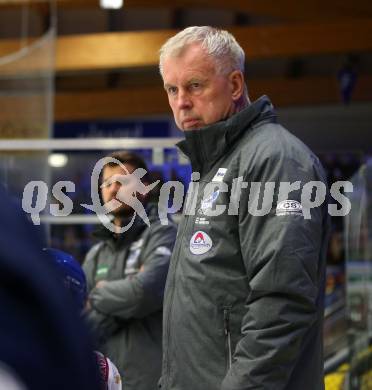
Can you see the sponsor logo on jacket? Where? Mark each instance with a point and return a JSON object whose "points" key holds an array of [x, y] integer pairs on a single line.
{"points": [[288, 207], [200, 243], [133, 264], [208, 202]]}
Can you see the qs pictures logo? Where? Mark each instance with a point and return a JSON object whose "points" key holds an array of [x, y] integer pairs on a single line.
{"points": [[130, 185]]}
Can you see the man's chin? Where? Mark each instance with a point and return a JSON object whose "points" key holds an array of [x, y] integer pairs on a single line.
{"points": [[122, 212], [190, 128], [195, 124]]}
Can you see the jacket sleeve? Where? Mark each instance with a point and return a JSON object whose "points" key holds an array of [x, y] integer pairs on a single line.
{"points": [[89, 266], [142, 294], [100, 324], [283, 262]]}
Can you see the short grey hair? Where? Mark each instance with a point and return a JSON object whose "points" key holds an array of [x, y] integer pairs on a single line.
{"points": [[219, 44]]}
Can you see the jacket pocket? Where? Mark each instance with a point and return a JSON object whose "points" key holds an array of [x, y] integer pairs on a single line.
{"points": [[227, 333]]}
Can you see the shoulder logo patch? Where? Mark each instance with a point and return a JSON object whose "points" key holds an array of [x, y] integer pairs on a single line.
{"points": [[218, 177], [288, 207], [200, 243], [163, 250]]}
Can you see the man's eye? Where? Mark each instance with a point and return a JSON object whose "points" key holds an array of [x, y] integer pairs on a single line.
{"points": [[108, 183], [195, 85], [116, 180], [171, 90]]}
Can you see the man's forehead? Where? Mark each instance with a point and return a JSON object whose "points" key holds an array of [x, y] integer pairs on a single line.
{"points": [[110, 170], [195, 61]]}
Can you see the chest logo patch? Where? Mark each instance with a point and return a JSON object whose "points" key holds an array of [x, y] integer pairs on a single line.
{"points": [[200, 243], [208, 202], [102, 271]]}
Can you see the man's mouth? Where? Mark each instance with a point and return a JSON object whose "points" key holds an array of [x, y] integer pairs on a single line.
{"points": [[189, 123]]}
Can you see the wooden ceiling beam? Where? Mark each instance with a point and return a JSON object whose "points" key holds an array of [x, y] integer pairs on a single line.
{"points": [[145, 101], [125, 50], [285, 9]]}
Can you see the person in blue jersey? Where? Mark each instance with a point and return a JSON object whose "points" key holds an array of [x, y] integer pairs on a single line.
{"points": [[74, 280], [44, 343]]}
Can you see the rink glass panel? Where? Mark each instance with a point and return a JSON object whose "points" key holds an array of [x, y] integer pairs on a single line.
{"points": [[358, 238], [73, 233]]}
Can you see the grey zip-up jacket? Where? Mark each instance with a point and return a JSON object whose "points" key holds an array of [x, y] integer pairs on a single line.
{"points": [[243, 307], [127, 310]]}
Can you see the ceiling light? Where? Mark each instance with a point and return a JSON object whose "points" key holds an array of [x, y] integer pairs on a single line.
{"points": [[57, 160], [111, 4]]}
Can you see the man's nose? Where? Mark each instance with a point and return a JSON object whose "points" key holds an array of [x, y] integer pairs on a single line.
{"points": [[184, 100], [114, 187]]}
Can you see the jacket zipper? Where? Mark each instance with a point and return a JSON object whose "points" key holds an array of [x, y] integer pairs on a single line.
{"points": [[226, 325], [166, 352]]}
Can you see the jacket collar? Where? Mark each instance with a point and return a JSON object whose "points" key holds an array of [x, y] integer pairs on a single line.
{"points": [[206, 145]]}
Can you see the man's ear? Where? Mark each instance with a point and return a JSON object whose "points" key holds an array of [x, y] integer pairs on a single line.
{"points": [[237, 83]]}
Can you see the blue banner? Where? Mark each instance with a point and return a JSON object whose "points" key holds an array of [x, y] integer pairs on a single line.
{"points": [[97, 129]]}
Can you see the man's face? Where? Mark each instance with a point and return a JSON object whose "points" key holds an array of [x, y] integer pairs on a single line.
{"points": [[197, 95], [114, 179]]}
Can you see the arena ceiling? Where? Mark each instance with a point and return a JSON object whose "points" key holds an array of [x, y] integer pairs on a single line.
{"points": [[106, 61]]}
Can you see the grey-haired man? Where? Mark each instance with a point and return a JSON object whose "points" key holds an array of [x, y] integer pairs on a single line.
{"points": [[243, 305]]}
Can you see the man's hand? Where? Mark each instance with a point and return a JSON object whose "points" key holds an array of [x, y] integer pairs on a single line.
{"points": [[101, 283], [87, 307]]}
